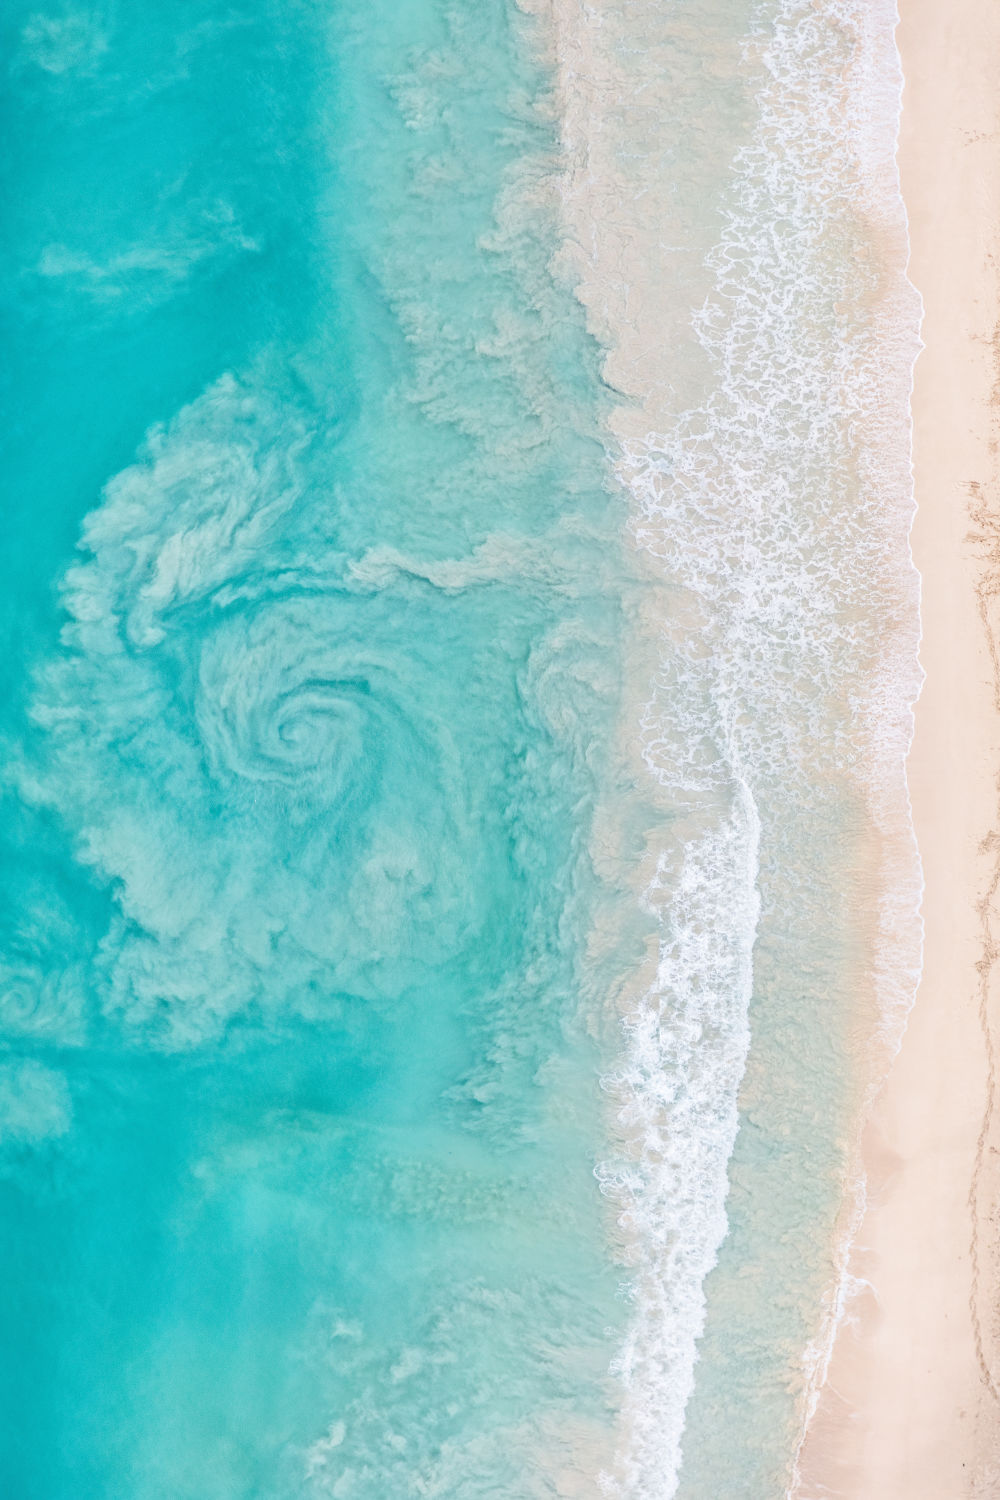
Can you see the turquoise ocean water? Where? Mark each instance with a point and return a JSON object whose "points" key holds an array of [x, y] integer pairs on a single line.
{"points": [[327, 1164]]}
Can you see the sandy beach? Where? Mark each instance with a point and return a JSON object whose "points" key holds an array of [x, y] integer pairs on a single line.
{"points": [[638, 253], [911, 1405]]}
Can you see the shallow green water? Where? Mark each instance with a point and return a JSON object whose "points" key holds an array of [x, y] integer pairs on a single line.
{"points": [[332, 752], [301, 1108]]}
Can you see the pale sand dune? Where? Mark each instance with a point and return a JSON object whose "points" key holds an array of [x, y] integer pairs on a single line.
{"points": [[911, 1409]]}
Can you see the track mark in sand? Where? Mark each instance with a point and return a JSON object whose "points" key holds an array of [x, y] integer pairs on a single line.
{"points": [[984, 512]]}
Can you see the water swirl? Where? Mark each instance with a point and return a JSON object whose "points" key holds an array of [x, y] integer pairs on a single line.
{"points": [[300, 708], [279, 705]]}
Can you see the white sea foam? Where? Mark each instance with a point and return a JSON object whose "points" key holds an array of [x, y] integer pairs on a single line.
{"points": [[686, 1045], [778, 512]]}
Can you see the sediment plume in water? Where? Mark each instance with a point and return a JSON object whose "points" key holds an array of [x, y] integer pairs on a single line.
{"points": [[458, 882]]}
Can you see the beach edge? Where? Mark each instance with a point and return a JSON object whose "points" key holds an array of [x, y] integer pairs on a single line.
{"points": [[910, 1405]]}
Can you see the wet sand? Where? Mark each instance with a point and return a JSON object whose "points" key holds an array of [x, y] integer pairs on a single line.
{"points": [[911, 1405]]}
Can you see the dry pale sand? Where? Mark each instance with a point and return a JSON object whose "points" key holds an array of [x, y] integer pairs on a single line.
{"points": [[911, 1408]]}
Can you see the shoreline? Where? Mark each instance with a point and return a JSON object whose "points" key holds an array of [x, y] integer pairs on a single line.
{"points": [[612, 268], [907, 1409]]}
